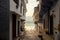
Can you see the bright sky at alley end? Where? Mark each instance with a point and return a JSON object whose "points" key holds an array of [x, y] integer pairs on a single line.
{"points": [[30, 7], [30, 10]]}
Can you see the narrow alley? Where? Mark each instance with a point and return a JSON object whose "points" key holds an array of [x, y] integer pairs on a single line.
{"points": [[29, 19], [31, 35]]}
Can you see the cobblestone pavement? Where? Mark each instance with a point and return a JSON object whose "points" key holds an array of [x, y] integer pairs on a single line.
{"points": [[31, 38], [47, 37], [31, 35]]}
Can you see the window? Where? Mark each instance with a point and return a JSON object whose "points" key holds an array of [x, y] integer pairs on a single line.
{"points": [[17, 2]]}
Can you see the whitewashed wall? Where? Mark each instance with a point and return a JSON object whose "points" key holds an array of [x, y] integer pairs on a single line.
{"points": [[55, 18]]}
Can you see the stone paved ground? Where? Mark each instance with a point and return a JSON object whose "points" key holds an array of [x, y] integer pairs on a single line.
{"points": [[47, 37], [31, 38], [31, 35]]}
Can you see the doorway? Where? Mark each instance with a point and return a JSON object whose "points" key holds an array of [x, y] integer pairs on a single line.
{"points": [[18, 27], [13, 26], [51, 24]]}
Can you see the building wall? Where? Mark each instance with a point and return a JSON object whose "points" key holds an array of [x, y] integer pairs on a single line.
{"points": [[41, 28], [36, 14], [56, 18], [22, 18], [16, 11], [36, 17], [17, 26], [40, 2], [10, 35], [45, 22], [24, 10], [4, 19], [7, 8], [38, 25], [14, 8]]}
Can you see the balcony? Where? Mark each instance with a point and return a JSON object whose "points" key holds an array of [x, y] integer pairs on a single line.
{"points": [[22, 17], [14, 8]]}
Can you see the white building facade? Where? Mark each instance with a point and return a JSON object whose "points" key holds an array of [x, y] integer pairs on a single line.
{"points": [[17, 16]]}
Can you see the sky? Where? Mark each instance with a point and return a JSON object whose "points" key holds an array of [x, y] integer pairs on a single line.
{"points": [[30, 7], [30, 10]]}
